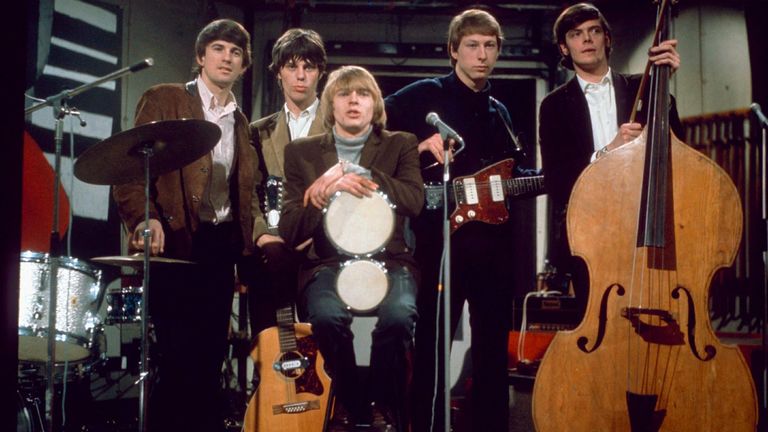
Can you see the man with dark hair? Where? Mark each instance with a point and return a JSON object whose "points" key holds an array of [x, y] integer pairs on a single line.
{"points": [[298, 62], [586, 118], [355, 156], [201, 213], [481, 253]]}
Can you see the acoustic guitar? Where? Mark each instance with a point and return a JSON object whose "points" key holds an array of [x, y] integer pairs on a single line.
{"points": [[293, 391]]}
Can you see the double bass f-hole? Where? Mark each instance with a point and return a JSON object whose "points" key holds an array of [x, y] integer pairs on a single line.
{"points": [[668, 332]]}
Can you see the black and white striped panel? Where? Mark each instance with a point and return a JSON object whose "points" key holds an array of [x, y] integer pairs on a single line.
{"points": [[85, 44]]}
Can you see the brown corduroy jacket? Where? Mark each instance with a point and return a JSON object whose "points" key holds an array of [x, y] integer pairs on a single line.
{"points": [[175, 197]]}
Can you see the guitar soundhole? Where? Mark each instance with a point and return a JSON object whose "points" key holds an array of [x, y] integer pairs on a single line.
{"points": [[292, 364]]}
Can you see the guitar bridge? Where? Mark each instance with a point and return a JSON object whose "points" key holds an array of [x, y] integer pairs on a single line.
{"points": [[296, 407]]}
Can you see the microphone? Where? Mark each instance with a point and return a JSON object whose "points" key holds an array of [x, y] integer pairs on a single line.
{"points": [[755, 107], [147, 62], [445, 130]]}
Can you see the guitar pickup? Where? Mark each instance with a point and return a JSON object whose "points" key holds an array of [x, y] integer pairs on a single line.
{"points": [[291, 364], [470, 191], [497, 188], [296, 407]]}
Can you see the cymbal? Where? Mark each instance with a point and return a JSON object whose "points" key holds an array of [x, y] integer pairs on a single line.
{"points": [[136, 260], [119, 159]]}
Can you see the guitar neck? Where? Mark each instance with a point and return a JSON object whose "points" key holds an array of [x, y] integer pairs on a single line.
{"points": [[523, 185], [285, 329], [510, 187]]}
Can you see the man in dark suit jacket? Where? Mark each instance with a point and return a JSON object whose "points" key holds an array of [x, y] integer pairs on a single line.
{"points": [[201, 212], [586, 118], [298, 62], [356, 156]]}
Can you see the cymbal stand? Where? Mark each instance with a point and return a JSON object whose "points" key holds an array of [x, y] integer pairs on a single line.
{"points": [[60, 109], [144, 379]]}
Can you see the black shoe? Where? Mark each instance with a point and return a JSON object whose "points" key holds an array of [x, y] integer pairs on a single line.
{"points": [[384, 419], [342, 420]]}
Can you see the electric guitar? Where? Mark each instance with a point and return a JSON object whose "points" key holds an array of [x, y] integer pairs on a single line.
{"points": [[481, 196], [294, 388], [273, 202]]}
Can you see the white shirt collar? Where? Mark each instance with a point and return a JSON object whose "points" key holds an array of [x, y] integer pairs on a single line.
{"points": [[605, 80], [310, 111], [209, 100]]}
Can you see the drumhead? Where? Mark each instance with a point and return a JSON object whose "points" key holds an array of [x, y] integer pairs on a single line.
{"points": [[362, 284], [359, 226]]}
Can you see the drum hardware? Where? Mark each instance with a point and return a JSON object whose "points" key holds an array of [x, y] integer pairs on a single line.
{"points": [[158, 147], [360, 228], [29, 417]]}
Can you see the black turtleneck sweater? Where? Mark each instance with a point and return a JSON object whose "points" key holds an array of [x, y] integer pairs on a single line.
{"points": [[474, 116], [471, 114]]}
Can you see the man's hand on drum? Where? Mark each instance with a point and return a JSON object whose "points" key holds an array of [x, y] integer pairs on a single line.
{"points": [[320, 191], [315, 193], [355, 184], [434, 145], [157, 237]]}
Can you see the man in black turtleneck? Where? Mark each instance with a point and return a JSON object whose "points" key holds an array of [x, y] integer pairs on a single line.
{"points": [[481, 254]]}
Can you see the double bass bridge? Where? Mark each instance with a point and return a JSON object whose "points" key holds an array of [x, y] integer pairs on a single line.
{"points": [[664, 331]]}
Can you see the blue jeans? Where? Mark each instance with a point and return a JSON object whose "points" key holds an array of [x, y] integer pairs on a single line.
{"points": [[391, 338]]}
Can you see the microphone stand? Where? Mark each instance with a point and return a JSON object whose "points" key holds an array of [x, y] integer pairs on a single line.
{"points": [[60, 109], [446, 289], [765, 270]]}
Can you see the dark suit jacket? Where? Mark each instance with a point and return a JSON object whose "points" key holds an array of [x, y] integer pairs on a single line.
{"points": [[565, 138], [269, 136], [393, 160], [175, 196]]}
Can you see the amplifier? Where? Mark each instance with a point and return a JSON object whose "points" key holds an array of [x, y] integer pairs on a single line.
{"points": [[551, 313]]}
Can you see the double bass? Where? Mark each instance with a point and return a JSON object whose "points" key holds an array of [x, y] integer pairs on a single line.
{"points": [[653, 221]]}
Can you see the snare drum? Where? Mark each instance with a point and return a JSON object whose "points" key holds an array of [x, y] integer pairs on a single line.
{"points": [[78, 286], [124, 305], [362, 284], [359, 226]]}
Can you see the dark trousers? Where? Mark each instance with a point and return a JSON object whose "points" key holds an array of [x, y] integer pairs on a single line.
{"points": [[391, 338], [190, 308], [481, 274], [272, 284]]}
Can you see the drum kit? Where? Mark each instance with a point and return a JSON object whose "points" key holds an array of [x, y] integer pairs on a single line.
{"points": [[360, 228], [76, 294]]}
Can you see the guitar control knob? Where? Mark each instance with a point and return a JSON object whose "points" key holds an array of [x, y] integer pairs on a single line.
{"points": [[471, 214], [459, 219]]}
